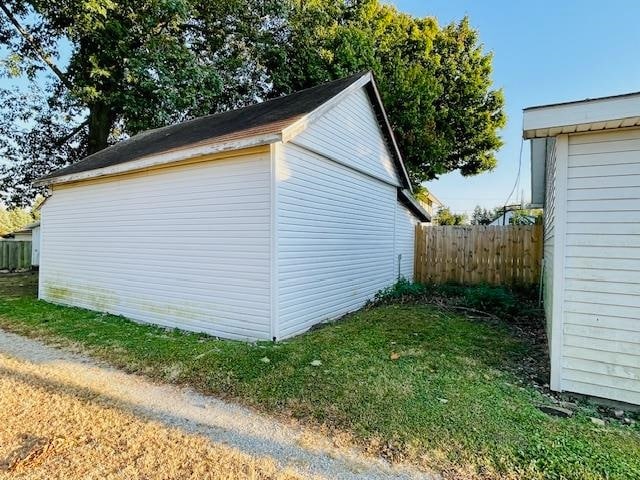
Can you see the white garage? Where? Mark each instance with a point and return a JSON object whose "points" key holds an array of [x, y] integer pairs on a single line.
{"points": [[586, 174], [251, 224]]}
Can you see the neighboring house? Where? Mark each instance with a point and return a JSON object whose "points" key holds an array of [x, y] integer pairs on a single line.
{"points": [[30, 233], [430, 203], [287, 213], [22, 235], [586, 173]]}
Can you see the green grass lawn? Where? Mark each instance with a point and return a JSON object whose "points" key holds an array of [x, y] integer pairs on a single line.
{"points": [[409, 382]]}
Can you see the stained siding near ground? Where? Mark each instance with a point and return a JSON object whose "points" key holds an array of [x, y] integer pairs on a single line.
{"points": [[601, 351], [350, 133], [185, 247], [405, 242], [335, 230]]}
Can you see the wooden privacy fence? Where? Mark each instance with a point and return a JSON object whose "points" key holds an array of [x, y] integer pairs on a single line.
{"points": [[498, 255], [15, 255]]}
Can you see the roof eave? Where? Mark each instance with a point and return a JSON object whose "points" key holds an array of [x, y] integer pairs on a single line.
{"points": [[583, 116], [164, 158], [405, 197]]}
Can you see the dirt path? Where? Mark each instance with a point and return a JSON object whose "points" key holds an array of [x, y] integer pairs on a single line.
{"points": [[51, 399]]}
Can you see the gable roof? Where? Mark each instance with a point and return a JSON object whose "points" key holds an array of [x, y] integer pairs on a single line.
{"points": [[258, 124]]}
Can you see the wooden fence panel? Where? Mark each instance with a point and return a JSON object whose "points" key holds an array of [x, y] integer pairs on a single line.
{"points": [[15, 255], [498, 255]]}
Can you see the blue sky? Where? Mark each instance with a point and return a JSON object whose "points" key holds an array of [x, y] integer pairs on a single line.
{"points": [[544, 52]]}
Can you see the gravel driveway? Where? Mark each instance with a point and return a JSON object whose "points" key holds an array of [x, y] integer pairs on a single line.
{"points": [[64, 415]]}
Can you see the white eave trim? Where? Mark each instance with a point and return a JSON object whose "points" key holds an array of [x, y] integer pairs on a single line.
{"points": [[164, 158], [586, 115]]}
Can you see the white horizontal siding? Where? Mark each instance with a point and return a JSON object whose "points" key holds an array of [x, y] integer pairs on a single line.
{"points": [[350, 133], [335, 239], [184, 247], [601, 354], [405, 241]]}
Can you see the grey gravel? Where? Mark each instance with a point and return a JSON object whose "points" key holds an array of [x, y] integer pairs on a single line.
{"points": [[305, 450]]}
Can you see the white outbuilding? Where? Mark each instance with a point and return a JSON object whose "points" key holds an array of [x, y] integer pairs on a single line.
{"points": [[585, 159], [252, 224]]}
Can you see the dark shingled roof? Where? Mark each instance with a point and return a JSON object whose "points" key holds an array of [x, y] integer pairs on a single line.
{"points": [[259, 119]]}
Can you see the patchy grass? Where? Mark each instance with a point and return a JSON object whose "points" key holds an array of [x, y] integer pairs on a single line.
{"points": [[410, 382]]}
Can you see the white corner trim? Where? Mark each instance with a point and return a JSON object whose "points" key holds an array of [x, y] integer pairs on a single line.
{"points": [[560, 229], [276, 153], [164, 158]]}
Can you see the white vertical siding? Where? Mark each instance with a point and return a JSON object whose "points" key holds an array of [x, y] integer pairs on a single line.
{"points": [[35, 246], [405, 236], [335, 239], [350, 133], [601, 351], [185, 247], [549, 235]]}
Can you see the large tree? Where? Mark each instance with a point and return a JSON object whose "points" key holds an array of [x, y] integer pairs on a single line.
{"points": [[435, 82], [105, 69], [132, 65]]}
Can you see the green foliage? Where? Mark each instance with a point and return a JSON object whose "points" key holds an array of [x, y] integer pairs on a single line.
{"points": [[526, 217], [482, 216], [446, 217], [14, 219], [503, 302], [489, 427], [487, 298], [134, 65]]}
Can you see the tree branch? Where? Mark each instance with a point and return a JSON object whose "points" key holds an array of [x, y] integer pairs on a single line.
{"points": [[71, 134], [36, 47]]}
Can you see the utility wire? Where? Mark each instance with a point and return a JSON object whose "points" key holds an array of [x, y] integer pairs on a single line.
{"points": [[515, 185]]}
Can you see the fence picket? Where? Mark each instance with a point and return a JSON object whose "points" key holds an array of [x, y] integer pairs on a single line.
{"points": [[507, 255], [15, 255]]}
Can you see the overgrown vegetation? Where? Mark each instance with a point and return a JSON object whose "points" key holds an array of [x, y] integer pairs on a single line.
{"points": [[515, 304], [410, 381]]}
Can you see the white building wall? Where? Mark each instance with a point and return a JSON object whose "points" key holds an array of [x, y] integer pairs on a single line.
{"points": [[185, 247], [335, 230], [350, 133], [601, 323]]}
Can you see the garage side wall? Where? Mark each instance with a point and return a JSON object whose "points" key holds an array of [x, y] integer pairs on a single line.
{"points": [[185, 247], [335, 239], [601, 348]]}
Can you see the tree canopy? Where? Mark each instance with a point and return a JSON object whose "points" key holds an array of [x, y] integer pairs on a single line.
{"points": [[483, 216], [446, 217], [102, 70]]}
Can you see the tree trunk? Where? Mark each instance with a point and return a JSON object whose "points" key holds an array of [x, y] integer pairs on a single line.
{"points": [[99, 127]]}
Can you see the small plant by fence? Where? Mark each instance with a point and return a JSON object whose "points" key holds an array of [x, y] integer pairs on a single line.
{"points": [[15, 255], [505, 255]]}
